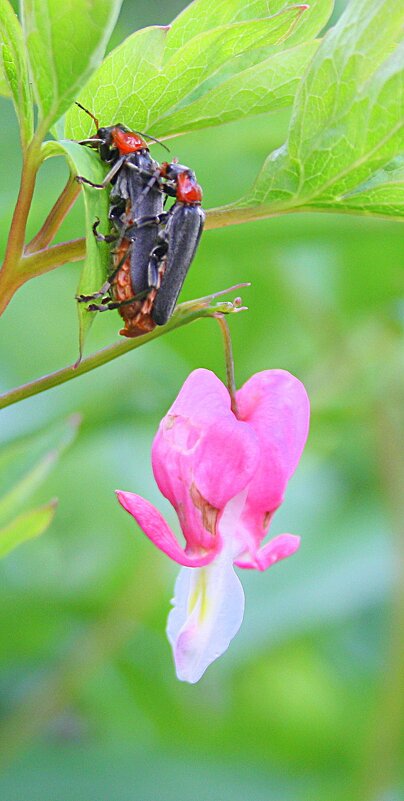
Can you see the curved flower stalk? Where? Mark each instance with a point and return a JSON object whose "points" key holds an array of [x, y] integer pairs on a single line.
{"points": [[225, 476]]}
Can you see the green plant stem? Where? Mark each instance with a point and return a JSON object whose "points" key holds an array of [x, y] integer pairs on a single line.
{"points": [[57, 214], [20, 264], [16, 271], [48, 259], [184, 314], [234, 215], [228, 352], [9, 278], [15, 244]]}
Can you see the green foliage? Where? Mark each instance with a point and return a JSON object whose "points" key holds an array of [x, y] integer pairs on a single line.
{"points": [[289, 712], [65, 41], [215, 64], [133, 64], [347, 122], [25, 527], [203, 15], [308, 24], [25, 478], [158, 70], [382, 193], [219, 62], [266, 86], [14, 64], [4, 84]]}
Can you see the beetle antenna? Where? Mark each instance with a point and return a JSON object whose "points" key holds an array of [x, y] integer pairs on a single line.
{"points": [[159, 142], [92, 141], [89, 114]]}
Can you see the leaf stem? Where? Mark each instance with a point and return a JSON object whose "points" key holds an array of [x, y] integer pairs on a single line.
{"points": [[184, 314], [235, 214], [228, 353], [15, 243], [10, 280], [57, 214], [20, 265], [48, 259]]}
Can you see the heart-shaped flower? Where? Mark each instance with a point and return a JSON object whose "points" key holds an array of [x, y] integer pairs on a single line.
{"points": [[225, 476]]}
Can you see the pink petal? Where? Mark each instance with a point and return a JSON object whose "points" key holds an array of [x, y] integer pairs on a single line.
{"points": [[202, 456], [276, 405], [156, 529], [279, 548], [203, 398], [225, 461]]}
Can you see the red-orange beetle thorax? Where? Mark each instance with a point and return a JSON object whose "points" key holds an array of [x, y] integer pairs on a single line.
{"points": [[188, 191], [127, 141]]}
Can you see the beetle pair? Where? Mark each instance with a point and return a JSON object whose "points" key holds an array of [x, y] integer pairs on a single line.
{"points": [[154, 249]]}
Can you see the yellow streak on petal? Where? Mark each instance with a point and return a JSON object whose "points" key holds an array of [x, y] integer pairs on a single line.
{"points": [[199, 594]]}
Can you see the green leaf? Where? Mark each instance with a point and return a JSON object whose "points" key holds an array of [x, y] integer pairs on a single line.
{"points": [[307, 26], [84, 161], [5, 90], [115, 91], [26, 527], [383, 193], [17, 526], [265, 87], [138, 83], [203, 15], [312, 22], [14, 65], [19, 455], [66, 41], [348, 116], [22, 491], [24, 487], [193, 63]]}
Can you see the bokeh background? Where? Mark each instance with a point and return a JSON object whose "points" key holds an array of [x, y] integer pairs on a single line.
{"points": [[306, 704]]}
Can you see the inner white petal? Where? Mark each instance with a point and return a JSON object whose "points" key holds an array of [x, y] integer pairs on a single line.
{"points": [[208, 609]]}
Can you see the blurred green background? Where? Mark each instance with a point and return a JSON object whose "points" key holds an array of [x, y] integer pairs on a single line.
{"points": [[306, 704]]}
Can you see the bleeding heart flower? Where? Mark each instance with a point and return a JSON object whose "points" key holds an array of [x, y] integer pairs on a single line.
{"points": [[225, 477]]}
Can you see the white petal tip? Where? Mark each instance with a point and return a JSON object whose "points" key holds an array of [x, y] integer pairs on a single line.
{"points": [[207, 614]]}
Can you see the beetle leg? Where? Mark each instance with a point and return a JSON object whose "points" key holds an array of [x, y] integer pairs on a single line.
{"points": [[112, 304], [153, 175], [101, 237], [108, 178], [170, 190], [143, 222], [105, 287], [159, 219], [155, 260], [155, 179]]}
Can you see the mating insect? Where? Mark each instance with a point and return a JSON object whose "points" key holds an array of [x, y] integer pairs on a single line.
{"points": [[179, 238], [154, 249], [131, 201]]}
